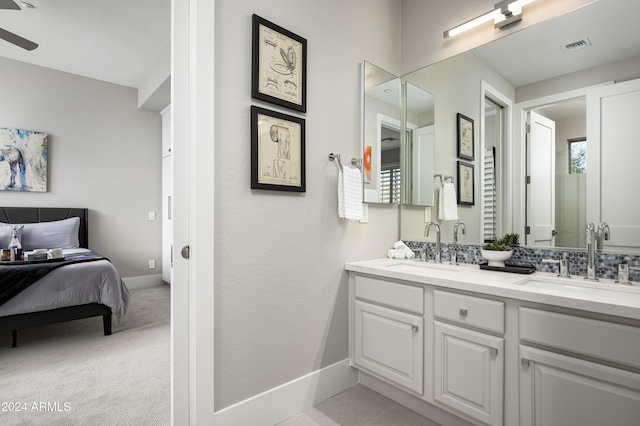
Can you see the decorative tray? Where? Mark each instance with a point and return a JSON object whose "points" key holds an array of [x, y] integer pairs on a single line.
{"points": [[509, 268], [30, 262]]}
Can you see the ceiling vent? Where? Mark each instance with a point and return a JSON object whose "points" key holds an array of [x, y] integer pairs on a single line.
{"points": [[576, 45]]}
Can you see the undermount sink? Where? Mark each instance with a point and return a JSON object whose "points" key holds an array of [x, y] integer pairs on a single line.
{"points": [[578, 286], [422, 266]]}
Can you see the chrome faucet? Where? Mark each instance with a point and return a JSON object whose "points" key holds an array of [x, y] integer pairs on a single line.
{"points": [[454, 255], [593, 236], [426, 234], [603, 233], [455, 230]]}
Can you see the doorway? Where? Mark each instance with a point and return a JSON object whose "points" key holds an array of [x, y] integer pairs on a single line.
{"points": [[496, 150], [568, 176]]}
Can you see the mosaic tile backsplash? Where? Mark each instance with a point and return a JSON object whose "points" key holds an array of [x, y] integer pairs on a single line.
{"points": [[606, 263]]}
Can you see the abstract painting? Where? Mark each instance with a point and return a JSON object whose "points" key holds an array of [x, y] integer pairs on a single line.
{"points": [[23, 160]]}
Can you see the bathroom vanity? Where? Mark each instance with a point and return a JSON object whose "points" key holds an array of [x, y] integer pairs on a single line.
{"points": [[498, 348]]}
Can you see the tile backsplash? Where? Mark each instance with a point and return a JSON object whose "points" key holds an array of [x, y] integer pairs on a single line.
{"points": [[606, 263]]}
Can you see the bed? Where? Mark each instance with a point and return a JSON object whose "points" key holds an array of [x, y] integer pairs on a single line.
{"points": [[68, 292]]}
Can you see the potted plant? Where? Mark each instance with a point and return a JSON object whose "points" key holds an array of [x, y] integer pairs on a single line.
{"points": [[500, 250]]}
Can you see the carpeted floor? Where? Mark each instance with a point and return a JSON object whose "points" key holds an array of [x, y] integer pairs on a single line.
{"points": [[71, 374]]}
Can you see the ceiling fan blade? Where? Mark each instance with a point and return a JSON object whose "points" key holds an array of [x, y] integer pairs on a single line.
{"points": [[9, 4], [17, 40]]}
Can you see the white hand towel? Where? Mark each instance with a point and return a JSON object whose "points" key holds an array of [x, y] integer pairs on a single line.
{"points": [[350, 193], [449, 204]]}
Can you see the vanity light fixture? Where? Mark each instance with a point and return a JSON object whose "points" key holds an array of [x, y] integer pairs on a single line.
{"points": [[504, 13]]}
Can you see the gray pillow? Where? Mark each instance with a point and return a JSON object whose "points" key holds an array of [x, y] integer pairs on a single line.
{"points": [[5, 233], [47, 235]]}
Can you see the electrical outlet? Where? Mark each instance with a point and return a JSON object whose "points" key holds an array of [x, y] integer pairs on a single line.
{"points": [[152, 264]]}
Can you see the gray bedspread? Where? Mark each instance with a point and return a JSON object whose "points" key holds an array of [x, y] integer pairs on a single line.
{"points": [[70, 285]]}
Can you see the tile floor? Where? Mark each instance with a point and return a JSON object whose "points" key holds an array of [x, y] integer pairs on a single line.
{"points": [[358, 406]]}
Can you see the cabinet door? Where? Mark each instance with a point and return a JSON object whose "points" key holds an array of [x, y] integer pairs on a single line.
{"points": [[561, 390], [389, 343], [469, 372]]}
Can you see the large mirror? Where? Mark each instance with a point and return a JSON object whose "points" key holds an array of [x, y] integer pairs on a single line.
{"points": [[536, 76], [382, 114]]}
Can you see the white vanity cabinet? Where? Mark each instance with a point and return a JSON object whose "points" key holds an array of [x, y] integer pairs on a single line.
{"points": [[469, 364], [388, 332], [584, 376], [472, 346]]}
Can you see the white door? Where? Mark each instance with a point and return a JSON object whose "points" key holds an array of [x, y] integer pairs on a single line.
{"points": [[422, 167], [561, 390], [613, 150], [469, 372], [390, 344], [541, 189]]}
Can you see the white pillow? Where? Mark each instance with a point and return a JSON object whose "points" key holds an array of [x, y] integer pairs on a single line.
{"points": [[46, 235], [5, 233]]}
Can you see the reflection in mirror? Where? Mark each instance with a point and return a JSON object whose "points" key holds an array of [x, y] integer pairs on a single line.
{"points": [[548, 69], [418, 146], [381, 136]]}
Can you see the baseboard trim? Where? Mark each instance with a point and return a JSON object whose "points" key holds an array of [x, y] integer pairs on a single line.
{"points": [[280, 403], [143, 281]]}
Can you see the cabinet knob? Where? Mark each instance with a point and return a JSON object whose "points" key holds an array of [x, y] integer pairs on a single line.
{"points": [[463, 312], [525, 362], [414, 328], [493, 351]]}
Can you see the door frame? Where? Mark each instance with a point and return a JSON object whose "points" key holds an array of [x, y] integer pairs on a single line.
{"points": [[192, 289], [505, 195], [519, 164]]}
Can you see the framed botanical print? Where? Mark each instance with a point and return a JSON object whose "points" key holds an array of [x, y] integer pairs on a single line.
{"points": [[466, 184], [277, 151], [465, 137], [279, 66]]}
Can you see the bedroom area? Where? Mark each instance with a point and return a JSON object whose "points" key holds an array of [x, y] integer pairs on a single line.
{"points": [[86, 338]]}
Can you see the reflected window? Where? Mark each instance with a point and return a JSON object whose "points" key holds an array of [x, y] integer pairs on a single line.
{"points": [[578, 155], [390, 184]]}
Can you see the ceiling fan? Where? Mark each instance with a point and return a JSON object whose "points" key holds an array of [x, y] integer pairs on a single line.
{"points": [[11, 37]]}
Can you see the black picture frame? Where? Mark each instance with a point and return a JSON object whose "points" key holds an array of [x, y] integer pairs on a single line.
{"points": [[279, 66], [277, 151], [465, 132], [466, 184]]}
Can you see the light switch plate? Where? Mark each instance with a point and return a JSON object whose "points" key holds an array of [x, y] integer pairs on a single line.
{"points": [[152, 215], [365, 213]]}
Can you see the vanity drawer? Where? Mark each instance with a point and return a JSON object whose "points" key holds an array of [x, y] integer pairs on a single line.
{"points": [[468, 310], [600, 339], [399, 296]]}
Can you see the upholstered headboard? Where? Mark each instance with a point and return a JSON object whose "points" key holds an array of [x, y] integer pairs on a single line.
{"points": [[47, 214]]}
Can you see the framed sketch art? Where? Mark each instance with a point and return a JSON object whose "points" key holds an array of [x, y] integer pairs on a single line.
{"points": [[279, 68], [465, 137], [277, 151], [466, 184]]}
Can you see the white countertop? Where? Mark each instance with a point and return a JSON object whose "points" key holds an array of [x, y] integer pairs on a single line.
{"points": [[604, 296]]}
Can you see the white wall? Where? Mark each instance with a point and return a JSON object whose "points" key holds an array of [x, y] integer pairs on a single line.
{"points": [[104, 154], [628, 69], [280, 284], [424, 22]]}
